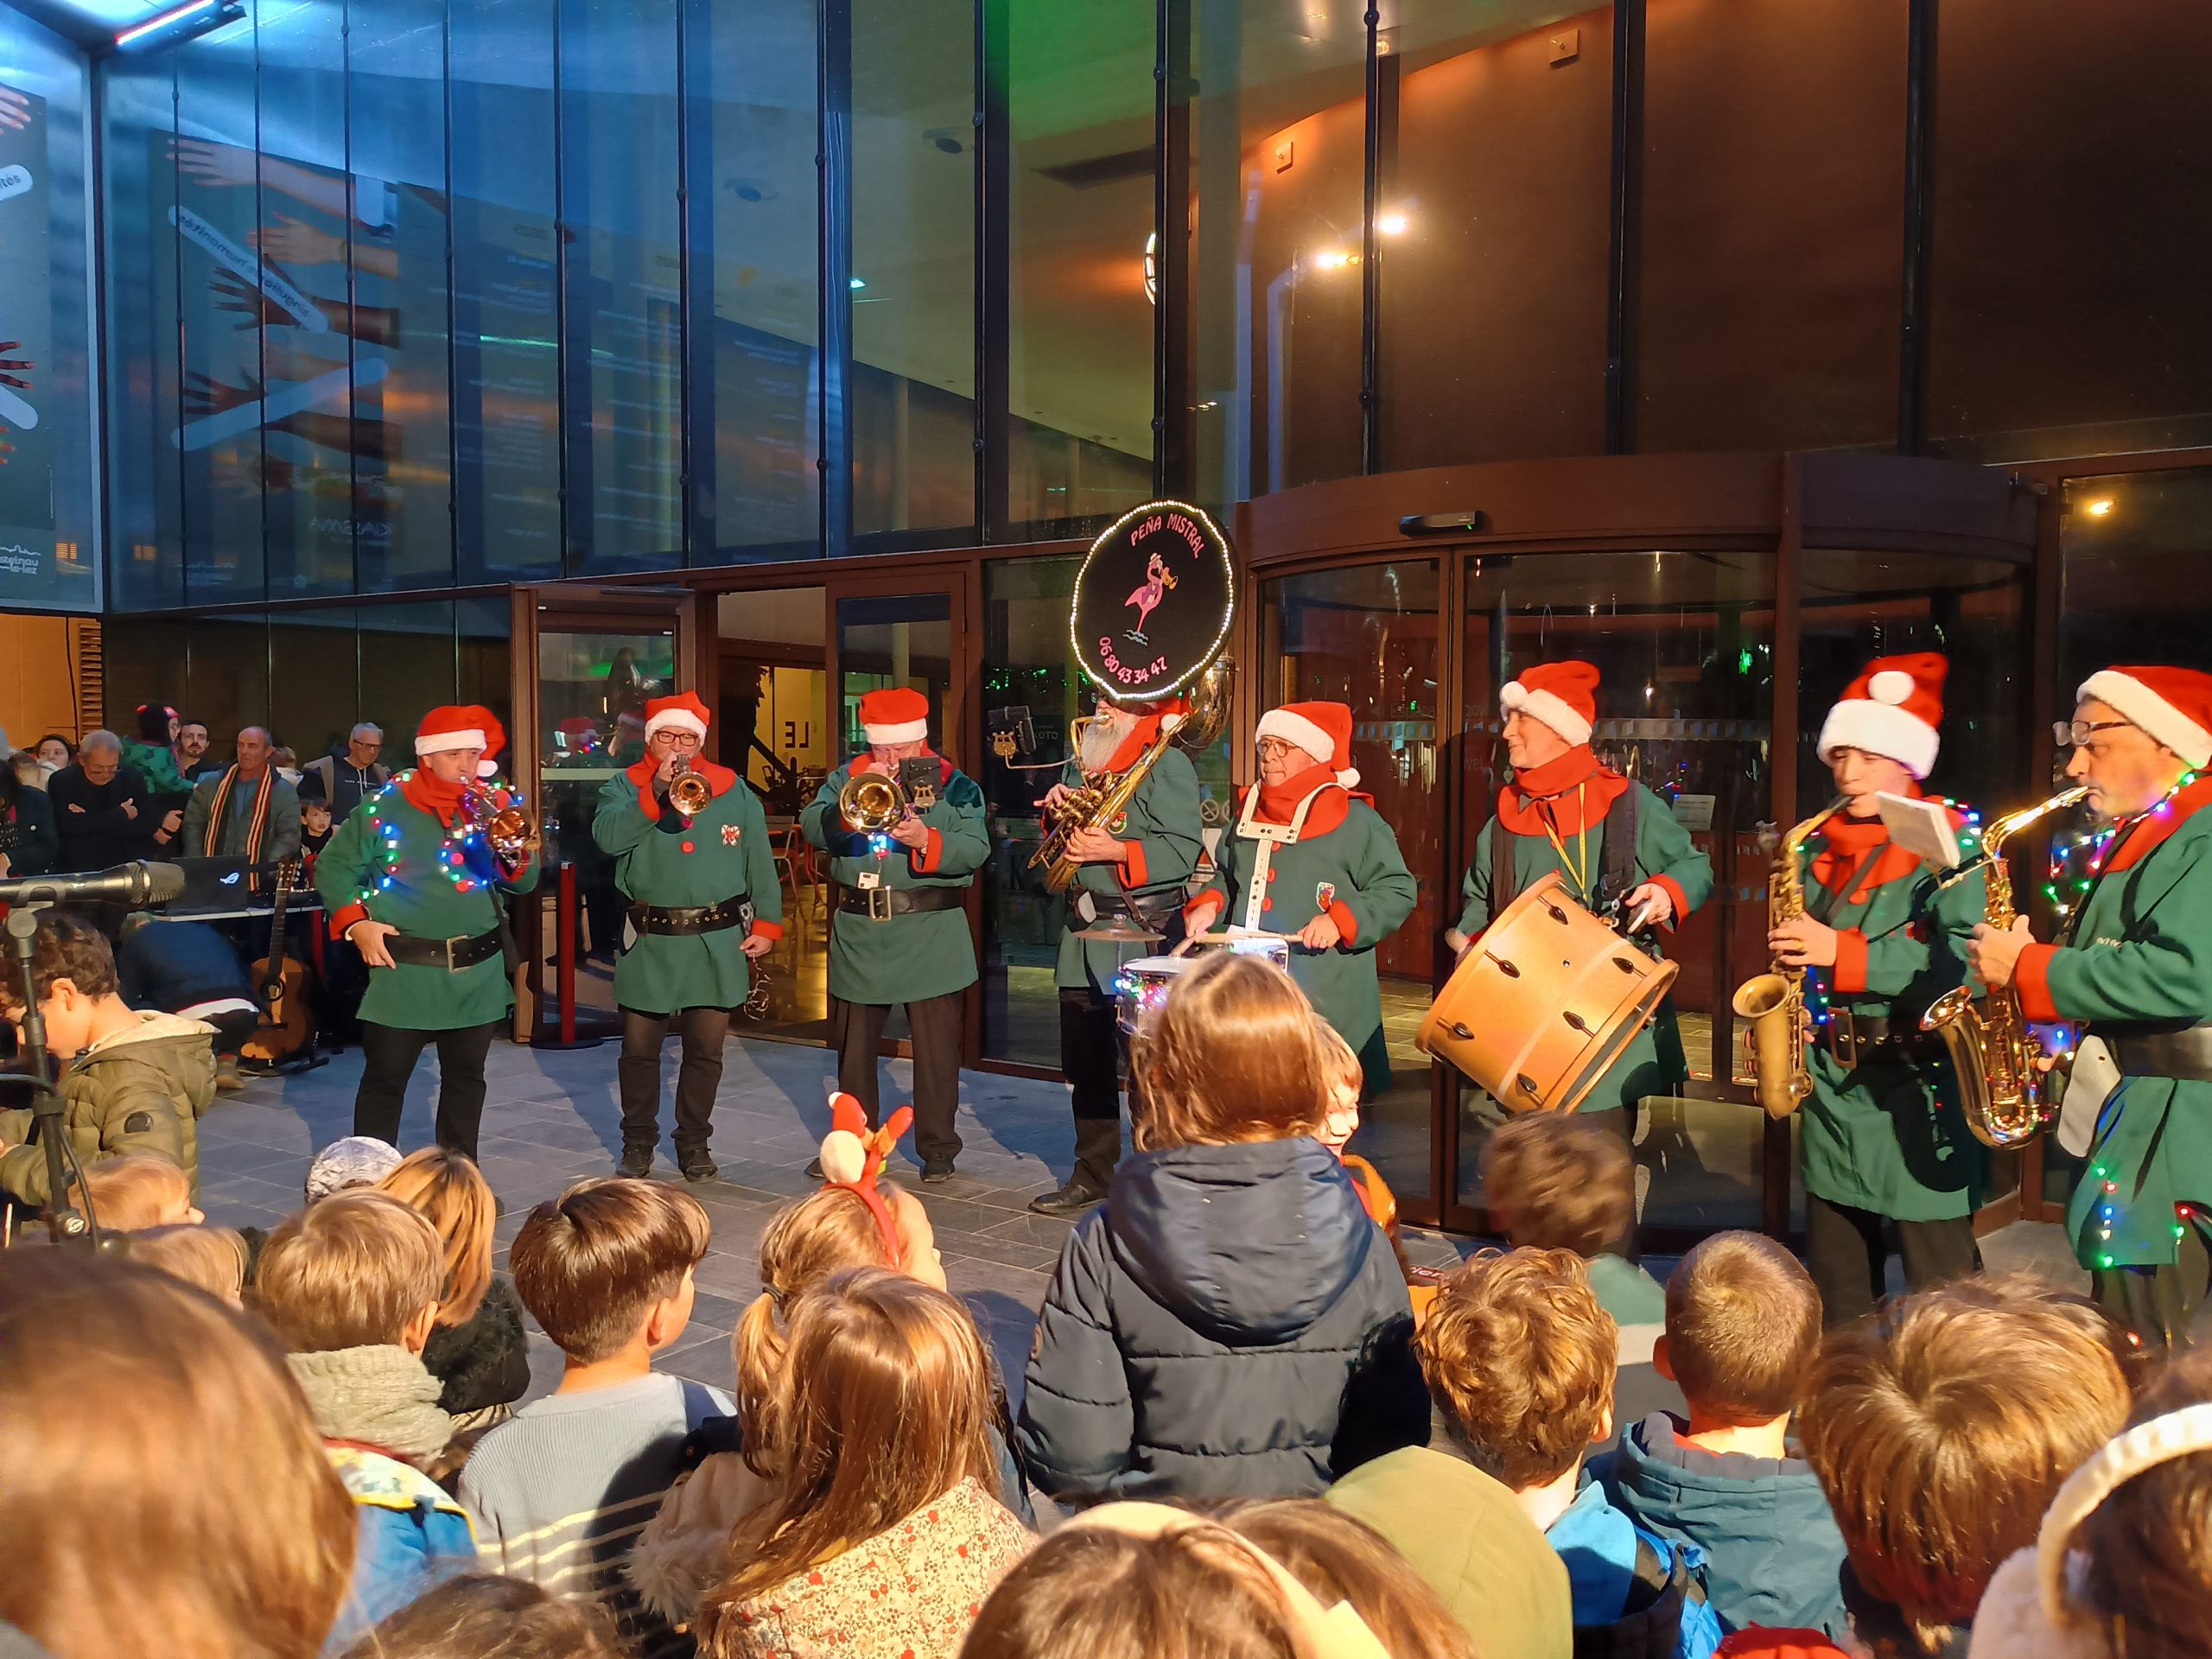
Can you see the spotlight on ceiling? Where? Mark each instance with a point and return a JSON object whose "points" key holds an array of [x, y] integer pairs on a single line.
{"points": [[2100, 508], [179, 22]]}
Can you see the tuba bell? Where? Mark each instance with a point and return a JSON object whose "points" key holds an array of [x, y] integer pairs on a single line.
{"points": [[689, 792], [871, 802]]}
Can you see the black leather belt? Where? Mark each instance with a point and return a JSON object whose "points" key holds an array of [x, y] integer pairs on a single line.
{"points": [[695, 918], [2181, 1052], [882, 904], [452, 955], [1855, 1039]]}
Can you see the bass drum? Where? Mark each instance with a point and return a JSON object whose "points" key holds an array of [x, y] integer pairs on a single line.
{"points": [[1543, 1002]]}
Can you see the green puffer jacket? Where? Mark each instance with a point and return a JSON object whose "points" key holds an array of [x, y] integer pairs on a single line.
{"points": [[143, 1090]]}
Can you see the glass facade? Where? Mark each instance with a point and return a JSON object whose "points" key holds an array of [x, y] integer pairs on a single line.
{"points": [[49, 558]]}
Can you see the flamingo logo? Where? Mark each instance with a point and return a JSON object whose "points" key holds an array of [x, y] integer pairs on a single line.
{"points": [[1158, 579]]}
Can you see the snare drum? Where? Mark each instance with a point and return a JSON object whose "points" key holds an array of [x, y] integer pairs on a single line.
{"points": [[1544, 1002], [1142, 985]]}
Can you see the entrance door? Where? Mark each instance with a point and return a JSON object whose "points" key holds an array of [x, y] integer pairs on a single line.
{"points": [[586, 659]]}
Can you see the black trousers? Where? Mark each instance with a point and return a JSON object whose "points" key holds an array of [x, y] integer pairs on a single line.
{"points": [[388, 1056], [2157, 1303], [1092, 1048], [935, 1023], [704, 1031], [1845, 1254]]}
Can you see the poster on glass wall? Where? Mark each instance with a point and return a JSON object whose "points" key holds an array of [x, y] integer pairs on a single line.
{"points": [[28, 552]]}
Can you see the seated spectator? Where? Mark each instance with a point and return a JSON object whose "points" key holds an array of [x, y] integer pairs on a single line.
{"points": [[2137, 1581], [350, 1285], [100, 808], [1145, 1581], [54, 752], [1341, 1559], [213, 1258], [1742, 1326], [342, 782], [1519, 1359], [478, 1350], [1197, 1337], [685, 1550], [132, 1193], [562, 1488], [190, 970], [480, 1617], [28, 844], [1553, 1181], [133, 1082], [1941, 1428], [245, 811], [166, 1491], [884, 1536]]}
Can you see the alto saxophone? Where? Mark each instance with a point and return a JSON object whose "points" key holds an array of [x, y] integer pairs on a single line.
{"points": [[1991, 1047], [1774, 1002]]}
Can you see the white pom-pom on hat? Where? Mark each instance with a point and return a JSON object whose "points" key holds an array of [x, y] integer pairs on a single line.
{"points": [[844, 1157], [1891, 686]]}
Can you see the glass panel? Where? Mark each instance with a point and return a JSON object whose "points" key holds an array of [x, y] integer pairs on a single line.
{"points": [[1684, 643], [402, 438], [312, 670], [1492, 216], [407, 669], [221, 416], [229, 680], [46, 556], [913, 277], [755, 321], [772, 725], [507, 371], [2133, 542], [592, 688], [1278, 152], [312, 217], [145, 528], [1367, 637], [624, 347], [1079, 376], [2067, 313], [485, 627], [885, 640], [1773, 202], [143, 660]]}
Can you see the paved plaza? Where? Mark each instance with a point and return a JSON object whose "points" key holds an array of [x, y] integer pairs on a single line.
{"points": [[551, 1118]]}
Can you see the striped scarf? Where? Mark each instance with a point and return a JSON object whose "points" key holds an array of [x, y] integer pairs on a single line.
{"points": [[218, 818]]}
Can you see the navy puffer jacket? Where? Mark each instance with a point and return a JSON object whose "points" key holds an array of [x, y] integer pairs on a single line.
{"points": [[1197, 1335]]}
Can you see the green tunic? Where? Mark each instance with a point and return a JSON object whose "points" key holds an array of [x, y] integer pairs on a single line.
{"points": [[385, 863], [662, 859], [2143, 954], [1890, 1136], [1356, 872], [1652, 1064], [921, 954], [1161, 826]]}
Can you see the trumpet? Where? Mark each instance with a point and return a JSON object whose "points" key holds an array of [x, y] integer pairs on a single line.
{"points": [[507, 827], [870, 801], [689, 792]]}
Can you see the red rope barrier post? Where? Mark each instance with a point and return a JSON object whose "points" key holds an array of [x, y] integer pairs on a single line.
{"points": [[565, 950]]}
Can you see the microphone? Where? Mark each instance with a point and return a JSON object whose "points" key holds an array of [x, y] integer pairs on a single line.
{"points": [[137, 884]]}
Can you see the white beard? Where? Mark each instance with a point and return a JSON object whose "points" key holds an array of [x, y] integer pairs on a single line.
{"points": [[1101, 740]]}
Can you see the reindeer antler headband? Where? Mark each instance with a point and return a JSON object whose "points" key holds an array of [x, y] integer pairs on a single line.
{"points": [[853, 1156]]}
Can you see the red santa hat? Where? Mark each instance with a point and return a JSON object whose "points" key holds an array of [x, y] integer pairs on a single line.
{"points": [[2174, 705], [683, 713], [1322, 729], [463, 725], [1891, 709], [897, 713], [1563, 695]]}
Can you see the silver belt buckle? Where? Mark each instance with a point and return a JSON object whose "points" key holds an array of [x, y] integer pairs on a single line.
{"points": [[879, 904]]}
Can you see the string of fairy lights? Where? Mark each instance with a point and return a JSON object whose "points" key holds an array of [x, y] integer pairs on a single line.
{"points": [[464, 856]]}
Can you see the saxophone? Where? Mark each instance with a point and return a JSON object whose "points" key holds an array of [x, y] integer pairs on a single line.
{"points": [[1103, 801], [1991, 1046], [1773, 1003]]}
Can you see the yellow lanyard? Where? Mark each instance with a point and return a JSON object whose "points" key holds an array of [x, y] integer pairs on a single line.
{"points": [[1577, 868]]}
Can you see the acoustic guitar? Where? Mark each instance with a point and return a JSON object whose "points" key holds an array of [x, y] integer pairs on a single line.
{"points": [[281, 986]]}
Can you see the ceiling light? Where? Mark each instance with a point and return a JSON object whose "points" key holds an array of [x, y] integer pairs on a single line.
{"points": [[2098, 508], [198, 14], [1391, 224], [855, 282]]}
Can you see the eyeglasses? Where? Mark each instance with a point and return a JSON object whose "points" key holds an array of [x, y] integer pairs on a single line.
{"points": [[2075, 733], [1268, 747]]}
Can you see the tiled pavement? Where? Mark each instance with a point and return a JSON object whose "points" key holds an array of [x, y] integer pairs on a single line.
{"points": [[550, 1118]]}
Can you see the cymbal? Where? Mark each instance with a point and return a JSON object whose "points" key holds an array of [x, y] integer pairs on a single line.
{"points": [[1118, 930]]}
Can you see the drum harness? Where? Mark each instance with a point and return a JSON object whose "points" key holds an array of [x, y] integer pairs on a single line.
{"points": [[1270, 836], [1617, 873]]}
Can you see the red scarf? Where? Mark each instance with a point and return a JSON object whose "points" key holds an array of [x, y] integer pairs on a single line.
{"points": [[720, 781], [1848, 845], [428, 792], [1279, 803], [2149, 832], [1144, 733], [1568, 793]]}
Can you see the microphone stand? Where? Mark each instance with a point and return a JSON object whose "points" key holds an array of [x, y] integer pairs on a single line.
{"points": [[48, 1112]]}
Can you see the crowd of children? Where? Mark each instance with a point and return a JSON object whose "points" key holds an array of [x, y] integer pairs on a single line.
{"points": [[225, 1446]]}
